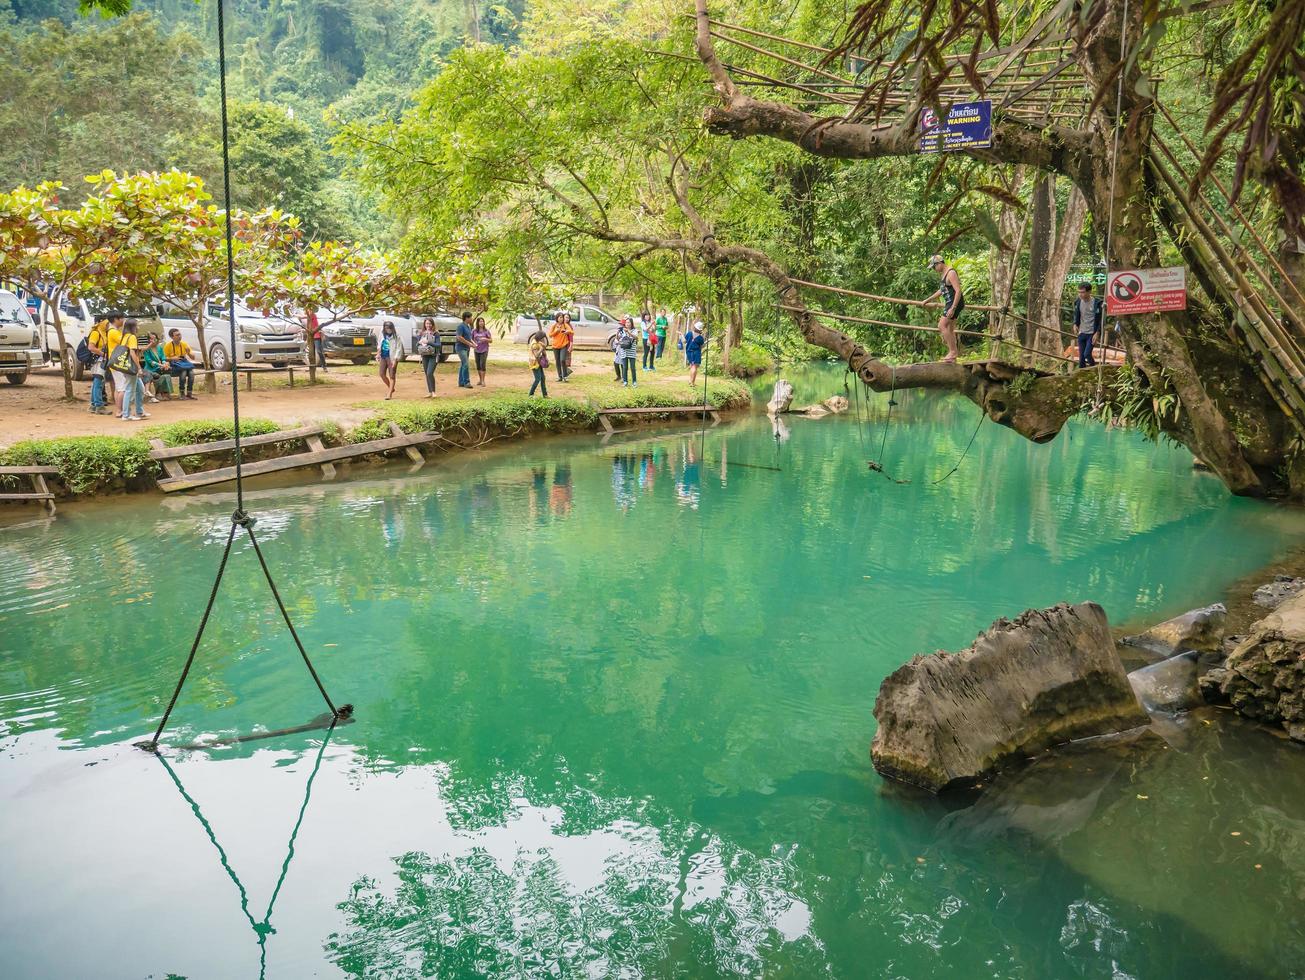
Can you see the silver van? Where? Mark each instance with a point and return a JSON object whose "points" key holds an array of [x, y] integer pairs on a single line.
{"points": [[594, 327], [260, 339], [20, 340]]}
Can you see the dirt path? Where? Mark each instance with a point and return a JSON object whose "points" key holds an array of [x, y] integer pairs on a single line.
{"points": [[36, 410]]}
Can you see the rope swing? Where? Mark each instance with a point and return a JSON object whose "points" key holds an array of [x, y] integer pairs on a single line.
{"points": [[239, 518]]}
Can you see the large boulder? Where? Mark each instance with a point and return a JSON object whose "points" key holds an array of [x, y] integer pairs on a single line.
{"points": [[1051, 676], [1200, 630], [1275, 593], [1264, 676], [782, 400]]}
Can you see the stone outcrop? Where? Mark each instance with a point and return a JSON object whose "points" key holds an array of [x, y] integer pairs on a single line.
{"points": [[1264, 676], [836, 404], [1200, 630], [1051, 676], [1275, 593], [782, 400]]}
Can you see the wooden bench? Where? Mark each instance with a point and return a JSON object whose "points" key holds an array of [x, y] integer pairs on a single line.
{"points": [[249, 373], [40, 490], [316, 455], [604, 415]]}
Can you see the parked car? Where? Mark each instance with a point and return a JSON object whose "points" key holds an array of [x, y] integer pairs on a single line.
{"points": [[260, 338], [20, 340], [77, 316], [593, 327], [445, 322], [346, 338]]}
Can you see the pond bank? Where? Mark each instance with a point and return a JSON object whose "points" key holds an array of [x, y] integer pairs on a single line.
{"points": [[92, 465]]}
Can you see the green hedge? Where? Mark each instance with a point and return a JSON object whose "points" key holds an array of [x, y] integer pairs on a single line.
{"points": [[97, 463]]}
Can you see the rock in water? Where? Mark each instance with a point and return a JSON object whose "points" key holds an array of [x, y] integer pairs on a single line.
{"points": [[1264, 677], [836, 404], [1051, 676], [1169, 685], [1200, 630], [782, 400], [1282, 588]]}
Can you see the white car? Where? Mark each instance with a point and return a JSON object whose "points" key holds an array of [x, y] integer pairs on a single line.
{"points": [[76, 317], [593, 326], [260, 339], [20, 340]]}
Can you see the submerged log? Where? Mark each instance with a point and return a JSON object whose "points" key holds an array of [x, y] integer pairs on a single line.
{"points": [[1052, 676]]}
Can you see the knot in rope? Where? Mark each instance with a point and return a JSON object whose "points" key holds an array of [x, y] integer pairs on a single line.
{"points": [[240, 518]]}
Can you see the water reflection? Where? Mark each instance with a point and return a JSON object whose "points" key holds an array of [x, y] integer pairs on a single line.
{"points": [[262, 928]]}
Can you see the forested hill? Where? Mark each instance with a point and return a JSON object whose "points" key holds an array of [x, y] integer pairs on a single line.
{"points": [[140, 92]]}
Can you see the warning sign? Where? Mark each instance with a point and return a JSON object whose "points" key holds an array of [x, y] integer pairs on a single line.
{"points": [[968, 126], [1146, 291]]}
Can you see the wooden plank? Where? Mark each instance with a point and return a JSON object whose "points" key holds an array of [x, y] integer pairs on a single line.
{"points": [[315, 444], [656, 411], [170, 466], [413, 452], [29, 471], [26, 496], [227, 473], [203, 448]]}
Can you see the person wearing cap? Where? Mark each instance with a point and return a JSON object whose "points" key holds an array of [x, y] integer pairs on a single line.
{"points": [[693, 345], [953, 297]]}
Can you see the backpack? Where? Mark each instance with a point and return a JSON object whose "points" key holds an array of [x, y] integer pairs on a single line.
{"points": [[83, 353], [120, 360]]}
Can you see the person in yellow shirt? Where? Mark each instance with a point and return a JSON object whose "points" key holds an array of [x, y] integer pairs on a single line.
{"points": [[125, 363], [181, 361], [98, 341]]}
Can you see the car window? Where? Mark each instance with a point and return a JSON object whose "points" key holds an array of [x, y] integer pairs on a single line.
{"points": [[592, 315]]}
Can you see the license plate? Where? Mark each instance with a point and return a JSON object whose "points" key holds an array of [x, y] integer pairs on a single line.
{"points": [[360, 341], [11, 357]]}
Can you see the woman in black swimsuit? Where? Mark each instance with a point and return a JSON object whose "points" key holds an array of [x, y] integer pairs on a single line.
{"points": [[953, 297]]}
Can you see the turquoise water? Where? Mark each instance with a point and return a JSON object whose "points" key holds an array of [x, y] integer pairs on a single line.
{"points": [[614, 710]]}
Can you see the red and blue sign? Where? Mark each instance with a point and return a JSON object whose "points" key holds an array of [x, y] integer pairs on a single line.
{"points": [[968, 127]]}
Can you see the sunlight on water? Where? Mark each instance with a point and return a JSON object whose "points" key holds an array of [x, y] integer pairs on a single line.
{"points": [[614, 709]]}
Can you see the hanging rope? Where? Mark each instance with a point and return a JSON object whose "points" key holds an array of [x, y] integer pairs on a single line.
{"points": [[239, 518], [982, 418]]}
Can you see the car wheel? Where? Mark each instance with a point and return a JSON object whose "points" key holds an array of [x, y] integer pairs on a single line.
{"points": [[359, 362], [444, 357], [78, 368], [18, 379], [218, 359]]}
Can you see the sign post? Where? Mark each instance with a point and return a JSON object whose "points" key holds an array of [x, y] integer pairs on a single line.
{"points": [[1131, 291], [968, 126]]}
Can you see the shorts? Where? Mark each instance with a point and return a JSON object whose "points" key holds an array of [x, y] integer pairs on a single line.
{"points": [[387, 366], [960, 308], [694, 359], [121, 380], [481, 357]]}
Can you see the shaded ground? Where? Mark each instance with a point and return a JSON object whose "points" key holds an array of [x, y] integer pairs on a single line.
{"points": [[36, 410]]}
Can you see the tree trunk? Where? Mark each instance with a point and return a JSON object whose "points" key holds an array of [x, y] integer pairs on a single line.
{"points": [[1047, 314], [1003, 266], [198, 318], [64, 359], [1042, 232]]}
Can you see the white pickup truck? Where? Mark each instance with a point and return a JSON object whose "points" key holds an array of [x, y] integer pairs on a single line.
{"points": [[20, 340]]}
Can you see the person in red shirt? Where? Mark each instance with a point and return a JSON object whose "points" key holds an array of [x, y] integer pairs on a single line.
{"points": [[314, 333]]}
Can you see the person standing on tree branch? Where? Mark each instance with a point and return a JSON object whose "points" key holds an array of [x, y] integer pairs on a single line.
{"points": [[1087, 323], [953, 297]]}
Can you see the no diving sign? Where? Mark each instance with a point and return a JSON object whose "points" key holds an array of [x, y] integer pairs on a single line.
{"points": [[1146, 291]]}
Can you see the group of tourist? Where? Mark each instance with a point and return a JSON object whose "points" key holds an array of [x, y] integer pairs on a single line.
{"points": [[647, 335], [471, 343], [128, 370]]}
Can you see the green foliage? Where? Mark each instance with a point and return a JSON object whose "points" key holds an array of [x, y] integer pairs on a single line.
{"points": [[749, 360], [1131, 400], [207, 430], [96, 464], [1022, 383], [86, 463], [119, 94]]}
